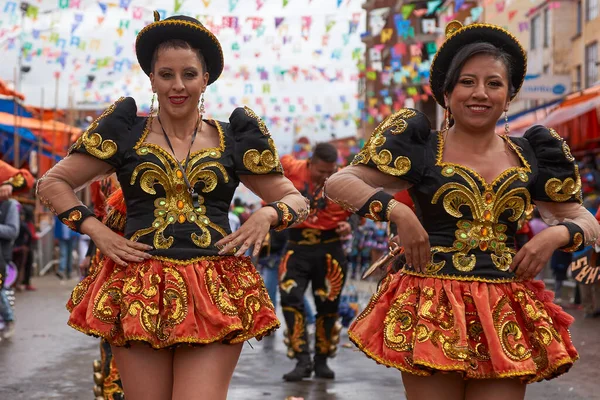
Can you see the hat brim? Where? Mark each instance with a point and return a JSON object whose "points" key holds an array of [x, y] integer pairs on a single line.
{"points": [[473, 33], [196, 35]]}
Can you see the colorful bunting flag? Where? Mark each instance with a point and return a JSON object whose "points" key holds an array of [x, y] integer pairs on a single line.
{"points": [[232, 5], [177, 5], [407, 9]]}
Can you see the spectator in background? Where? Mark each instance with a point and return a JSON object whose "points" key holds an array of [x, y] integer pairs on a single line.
{"points": [[234, 221], [66, 239], [536, 224], [9, 231], [559, 263], [23, 249]]}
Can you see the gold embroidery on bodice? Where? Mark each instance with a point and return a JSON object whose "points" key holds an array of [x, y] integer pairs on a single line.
{"points": [[483, 231], [176, 207]]}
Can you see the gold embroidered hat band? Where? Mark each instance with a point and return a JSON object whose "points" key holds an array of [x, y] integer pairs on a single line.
{"points": [[179, 27], [458, 36]]}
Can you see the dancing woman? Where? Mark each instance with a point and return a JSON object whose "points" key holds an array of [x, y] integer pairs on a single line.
{"points": [[463, 319], [176, 281]]}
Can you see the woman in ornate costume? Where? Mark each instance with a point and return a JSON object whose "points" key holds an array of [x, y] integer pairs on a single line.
{"points": [[177, 277], [465, 303]]}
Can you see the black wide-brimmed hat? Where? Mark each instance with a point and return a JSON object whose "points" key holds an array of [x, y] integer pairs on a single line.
{"points": [[184, 28], [458, 35]]}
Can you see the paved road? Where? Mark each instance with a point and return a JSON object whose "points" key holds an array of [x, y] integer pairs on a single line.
{"points": [[48, 360]]}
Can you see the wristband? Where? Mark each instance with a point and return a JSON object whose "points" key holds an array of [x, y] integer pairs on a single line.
{"points": [[286, 216], [378, 207], [74, 217], [575, 237]]}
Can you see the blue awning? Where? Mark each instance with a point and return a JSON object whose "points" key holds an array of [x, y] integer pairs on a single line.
{"points": [[8, 106]]}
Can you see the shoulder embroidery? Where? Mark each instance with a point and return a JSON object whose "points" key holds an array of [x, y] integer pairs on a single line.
{"points": [[394, 124], [261, 124], [93, 142], [568, 188], [266, 161]]}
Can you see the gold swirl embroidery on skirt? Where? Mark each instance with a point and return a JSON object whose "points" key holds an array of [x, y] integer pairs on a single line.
{"points": [[82, 287], [107, 304], [218, 293], [174, 298], [383, 287], [507, 327], [398, 320], [448, 344], [443, 315]]}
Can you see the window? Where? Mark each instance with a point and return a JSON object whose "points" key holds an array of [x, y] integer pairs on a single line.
{"points": [[591, 64], [546, 70], [591, 10], [577, 82], [579, 17], [535, 27], [546, 28]]}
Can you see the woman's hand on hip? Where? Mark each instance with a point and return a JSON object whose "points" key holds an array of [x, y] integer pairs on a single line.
{"points": [[251, 233], [534, 255], [412, 237], [120, 250]]}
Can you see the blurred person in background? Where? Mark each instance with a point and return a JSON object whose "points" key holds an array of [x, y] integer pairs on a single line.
{"points": [[12, 181], [314, 255], [23, 249]]}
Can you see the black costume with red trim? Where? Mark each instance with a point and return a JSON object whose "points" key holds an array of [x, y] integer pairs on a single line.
{"points": [[314, 255]]}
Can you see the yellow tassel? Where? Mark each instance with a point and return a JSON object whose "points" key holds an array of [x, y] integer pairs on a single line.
{"points": [[156, 16]]}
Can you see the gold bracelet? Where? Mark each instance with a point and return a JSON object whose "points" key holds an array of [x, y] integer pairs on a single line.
{"points": [[390, 207]]}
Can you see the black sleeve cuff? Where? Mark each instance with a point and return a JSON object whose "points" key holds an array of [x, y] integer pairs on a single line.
{"points": [[378, 207], [74, 217], [576, 241], [286, 216]]}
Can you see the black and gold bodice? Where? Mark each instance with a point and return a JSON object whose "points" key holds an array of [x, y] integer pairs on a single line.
{"points": [[471, 222], [159, 206]]}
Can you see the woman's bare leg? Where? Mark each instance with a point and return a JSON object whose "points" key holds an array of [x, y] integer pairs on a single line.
{"points": [[147, 374], [204, 372], [450, 386], [495, 389]]}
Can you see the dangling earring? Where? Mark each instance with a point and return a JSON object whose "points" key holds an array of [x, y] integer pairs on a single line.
{"points": [[202, 109], [447, 121], [152, 104], [506, 127]]}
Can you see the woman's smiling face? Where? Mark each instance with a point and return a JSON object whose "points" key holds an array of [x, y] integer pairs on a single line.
{"points": [[179, 79], [481, 94]]}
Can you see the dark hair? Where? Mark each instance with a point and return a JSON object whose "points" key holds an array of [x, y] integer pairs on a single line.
{"points": [[176, 44], [237, 202], [471, 50], [325, 152]]}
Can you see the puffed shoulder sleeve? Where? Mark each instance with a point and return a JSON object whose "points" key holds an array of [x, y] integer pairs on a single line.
{"points": [[255, 152], [105, 139], [557, 177], [397, 146]]}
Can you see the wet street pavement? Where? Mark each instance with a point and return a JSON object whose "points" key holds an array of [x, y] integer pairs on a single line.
{"points": [[48, 360]]}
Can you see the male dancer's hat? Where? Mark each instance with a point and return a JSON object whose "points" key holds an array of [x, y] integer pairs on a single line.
{"points": [[179, 27], [458, 35]]}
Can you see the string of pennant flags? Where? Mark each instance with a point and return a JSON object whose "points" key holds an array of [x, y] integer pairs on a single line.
{"points": [[278, 53], [273, 57]]}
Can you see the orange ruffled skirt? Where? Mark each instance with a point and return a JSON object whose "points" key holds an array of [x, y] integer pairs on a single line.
{"points": [[166, 303], [421, 325]]}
